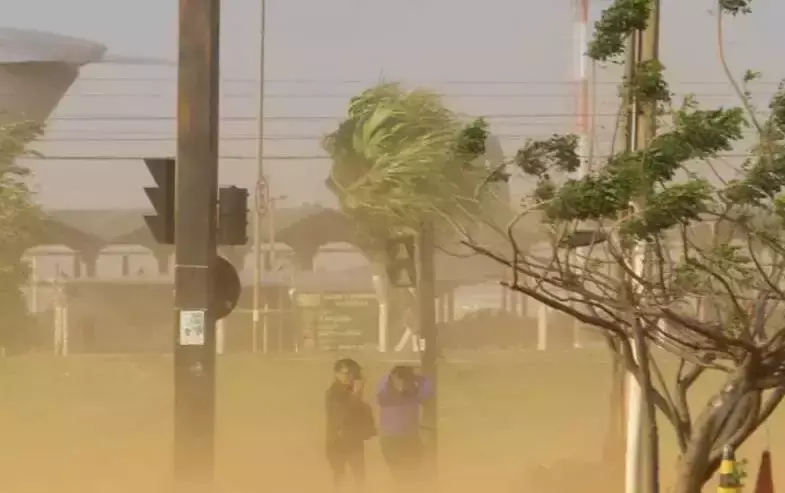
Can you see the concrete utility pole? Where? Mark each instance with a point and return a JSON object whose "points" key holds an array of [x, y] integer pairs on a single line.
{"points": [[195, 244], [585, 121], [426, 295], [262, 195], [641, 129]]}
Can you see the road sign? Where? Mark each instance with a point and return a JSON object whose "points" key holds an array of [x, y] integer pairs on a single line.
{"points": [[340, 321]]}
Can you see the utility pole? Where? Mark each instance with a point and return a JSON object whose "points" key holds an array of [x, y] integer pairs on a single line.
{"points": [[262, 194], [641, 129], [585, 120], [195, 244], [426, 294]]}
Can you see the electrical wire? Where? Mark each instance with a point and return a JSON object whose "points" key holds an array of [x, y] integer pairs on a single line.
{"points": [[518, 82], [112, 137], [487, 116], [249, 157], [347, 96]]}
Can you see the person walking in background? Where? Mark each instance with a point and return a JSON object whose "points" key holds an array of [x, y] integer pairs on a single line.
{"points": [[400, 395], [349, 423]]}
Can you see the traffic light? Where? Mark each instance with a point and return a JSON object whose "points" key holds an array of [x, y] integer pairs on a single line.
{"points": [[162, 198], [232, 216], [401, 269]]}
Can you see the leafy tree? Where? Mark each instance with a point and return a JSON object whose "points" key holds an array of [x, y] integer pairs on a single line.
{"points": [[652, 250], [18, 216], [401, 158]]}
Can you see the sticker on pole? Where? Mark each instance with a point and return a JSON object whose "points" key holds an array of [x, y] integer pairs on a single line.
{"points": [[192, 328]]}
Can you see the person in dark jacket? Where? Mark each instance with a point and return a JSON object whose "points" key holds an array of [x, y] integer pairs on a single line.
{"points": [[400, 395], [349, 423]]}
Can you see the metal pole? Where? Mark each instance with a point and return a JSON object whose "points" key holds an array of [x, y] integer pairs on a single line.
{"points": [[64, 334], [426, 293], [643, 131], [195, 248], [34, 284], [271, 239], [584, 144], [262, 191]]}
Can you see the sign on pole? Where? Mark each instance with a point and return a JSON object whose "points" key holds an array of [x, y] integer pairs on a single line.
{"points": [[192, 327]]}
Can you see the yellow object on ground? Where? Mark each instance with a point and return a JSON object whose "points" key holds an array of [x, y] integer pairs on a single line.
{"points": [[730, 482]]}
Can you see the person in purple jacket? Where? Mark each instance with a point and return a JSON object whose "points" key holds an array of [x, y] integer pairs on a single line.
{"points": [[400, 395]]}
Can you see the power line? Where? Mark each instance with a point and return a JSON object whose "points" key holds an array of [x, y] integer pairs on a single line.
{"points": [[119, 157], [348, 96], [249, 138], [146, 118], [236, 157], [111, 138], [306, 96], [415, 82]]}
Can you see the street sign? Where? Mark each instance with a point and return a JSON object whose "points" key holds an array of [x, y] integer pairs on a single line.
{"points": [[226, 288], [262, 197], [340, 321], [192, 328]]}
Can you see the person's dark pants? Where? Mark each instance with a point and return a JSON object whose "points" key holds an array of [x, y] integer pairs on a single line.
{"points": [[404, 456], [346, 456]]}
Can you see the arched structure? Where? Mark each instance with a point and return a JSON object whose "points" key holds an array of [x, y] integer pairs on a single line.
{"points": [[310, 233], [304, 229], [86, 246]]}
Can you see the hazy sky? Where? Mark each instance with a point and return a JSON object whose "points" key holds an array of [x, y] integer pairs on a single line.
{"points": [[444, 44]]}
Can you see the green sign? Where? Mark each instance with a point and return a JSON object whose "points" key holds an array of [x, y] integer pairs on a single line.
{"points": [[340, 321]]}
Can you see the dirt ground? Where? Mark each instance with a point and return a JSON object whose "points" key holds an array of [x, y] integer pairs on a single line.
{"points": [[509, 423]]}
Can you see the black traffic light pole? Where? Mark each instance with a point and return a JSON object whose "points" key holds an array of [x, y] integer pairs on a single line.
{"points": [[410, 265], [426, 295], [195, 244]]}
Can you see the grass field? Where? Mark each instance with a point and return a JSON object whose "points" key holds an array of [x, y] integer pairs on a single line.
{"points": [[93, 424]]}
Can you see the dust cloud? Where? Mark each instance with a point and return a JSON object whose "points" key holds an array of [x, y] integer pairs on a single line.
{"points": [[87, 424]]}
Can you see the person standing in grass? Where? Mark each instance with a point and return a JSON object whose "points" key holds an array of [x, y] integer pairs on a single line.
{"points": [[350, 423], [400, 395]]}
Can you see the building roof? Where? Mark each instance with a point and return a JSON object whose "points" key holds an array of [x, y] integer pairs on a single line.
{"points": [[27, 46], [133, 230], [103, 224], [127, 226]]}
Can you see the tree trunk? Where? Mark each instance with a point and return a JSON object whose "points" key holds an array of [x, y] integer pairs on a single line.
{"points": [[697, 465], [649, 421], [688, 479], [692, 465]]}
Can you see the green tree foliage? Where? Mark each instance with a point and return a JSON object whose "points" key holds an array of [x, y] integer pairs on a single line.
{"points": [[18, 216], [672, 253], [401, 157]]}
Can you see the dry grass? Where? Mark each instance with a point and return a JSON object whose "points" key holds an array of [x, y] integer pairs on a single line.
{"points": [[90, 424]]}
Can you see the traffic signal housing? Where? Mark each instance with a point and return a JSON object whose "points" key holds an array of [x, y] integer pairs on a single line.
{"points": [[401, 262], [162, 198], [232, 216]]}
